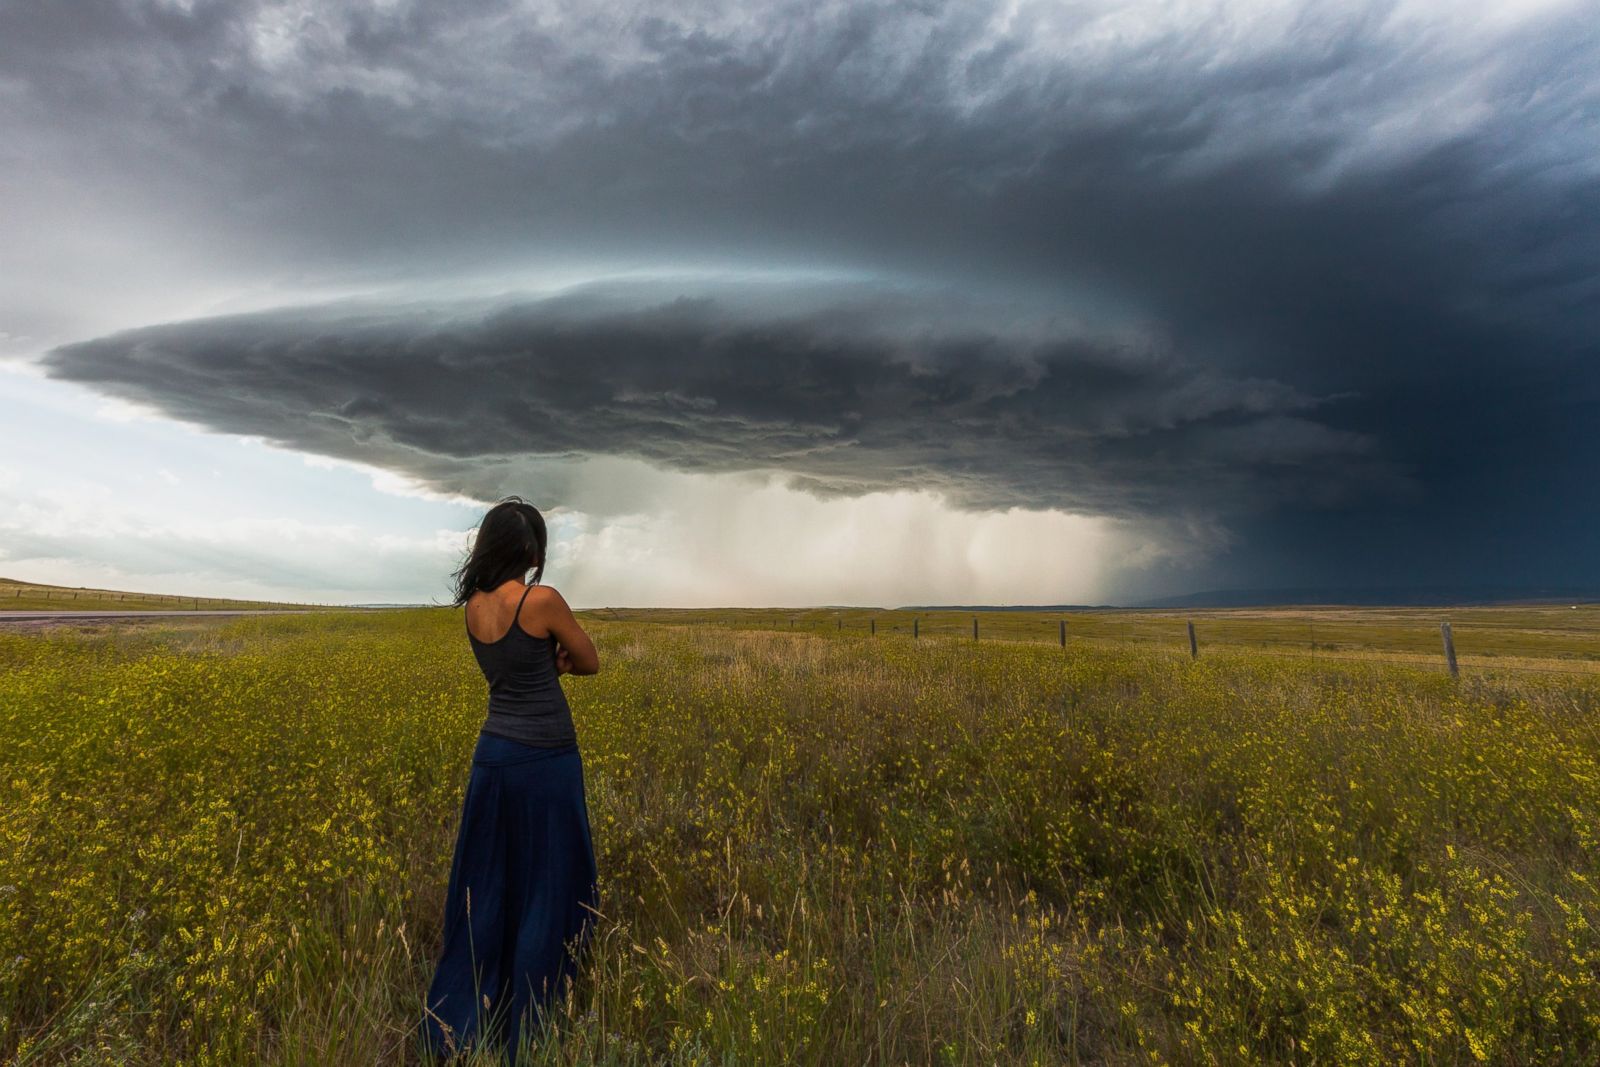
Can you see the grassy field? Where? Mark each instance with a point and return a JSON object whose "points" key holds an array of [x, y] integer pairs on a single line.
{"points": [[228, 843], [1565, 637]]}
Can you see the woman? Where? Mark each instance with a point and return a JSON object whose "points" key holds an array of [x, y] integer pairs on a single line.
{"points": [[522, 883]]}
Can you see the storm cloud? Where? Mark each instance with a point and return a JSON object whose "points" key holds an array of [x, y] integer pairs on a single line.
{"points": [[844, 388], [1328, 276]]}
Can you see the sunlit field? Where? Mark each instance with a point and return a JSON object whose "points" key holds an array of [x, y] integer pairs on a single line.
{"points": [[228, 842]]}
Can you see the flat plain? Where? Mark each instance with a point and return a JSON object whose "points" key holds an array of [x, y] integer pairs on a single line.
{"points": [[227, 841]]}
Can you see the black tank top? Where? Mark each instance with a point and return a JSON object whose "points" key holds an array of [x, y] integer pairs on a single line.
{"points": [[526, 702]]}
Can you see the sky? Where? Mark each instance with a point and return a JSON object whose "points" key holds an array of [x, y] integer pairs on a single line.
{"points": [[773, 303]]}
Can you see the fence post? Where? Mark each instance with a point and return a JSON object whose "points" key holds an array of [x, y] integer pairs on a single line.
{"points": [[1449, 650], [791, 624], [873, 623], [974, 627], [1194, 647], [914, 626], [840, 621], [1063, 633]]}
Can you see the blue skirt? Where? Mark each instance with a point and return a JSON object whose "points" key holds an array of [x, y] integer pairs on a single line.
{"points": [[522, 896]]}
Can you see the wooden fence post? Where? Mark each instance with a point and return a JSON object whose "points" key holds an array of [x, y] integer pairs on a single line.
{"points": [[1194, 646], [1063, 633], [914, 627], [1449, 650], [974, 627]]}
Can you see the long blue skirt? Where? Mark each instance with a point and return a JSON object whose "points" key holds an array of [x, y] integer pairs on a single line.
{"points": [[522, 892]]}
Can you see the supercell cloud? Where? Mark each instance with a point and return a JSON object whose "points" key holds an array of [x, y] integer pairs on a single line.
{"points": [[846, 389], [1323, 279]]}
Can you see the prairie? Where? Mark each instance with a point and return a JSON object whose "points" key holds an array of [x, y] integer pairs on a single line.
{"points": [[228, 843]]}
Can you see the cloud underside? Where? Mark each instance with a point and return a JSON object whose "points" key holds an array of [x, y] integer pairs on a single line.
{"points": [[845, 393]]}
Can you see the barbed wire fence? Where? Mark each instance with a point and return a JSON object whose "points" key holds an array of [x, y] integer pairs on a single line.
{"points": [[1199, 637]]}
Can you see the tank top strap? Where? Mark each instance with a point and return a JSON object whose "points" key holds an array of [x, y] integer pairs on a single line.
{"points": [[516, 616]]}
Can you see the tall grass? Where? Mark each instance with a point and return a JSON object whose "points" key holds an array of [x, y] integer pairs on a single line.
{"points": [[229, 845]]}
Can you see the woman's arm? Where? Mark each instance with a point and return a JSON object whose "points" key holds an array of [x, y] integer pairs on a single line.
{"points": [[557, 617]]}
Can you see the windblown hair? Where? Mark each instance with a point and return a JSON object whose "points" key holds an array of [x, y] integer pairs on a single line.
{"points": [[509, 543]]}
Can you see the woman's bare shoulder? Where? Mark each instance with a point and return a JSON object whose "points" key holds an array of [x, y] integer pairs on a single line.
{"points": [[546, 600]]}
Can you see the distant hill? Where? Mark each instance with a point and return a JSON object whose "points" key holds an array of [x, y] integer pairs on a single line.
{"points": [[1389, 597], [34, 596], [1398, 596], [1005, 607]]}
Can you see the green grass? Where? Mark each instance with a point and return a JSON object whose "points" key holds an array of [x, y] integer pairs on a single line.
{"points": [[228, 843], [1554, 636]]}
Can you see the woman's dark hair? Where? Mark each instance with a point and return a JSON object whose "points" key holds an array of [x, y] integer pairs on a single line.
{"points": [[510, 542]]}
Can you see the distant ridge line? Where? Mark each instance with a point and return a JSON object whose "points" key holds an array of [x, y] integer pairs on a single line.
{"points": [[1007, 607], [1393, 596], [1325, 596]]}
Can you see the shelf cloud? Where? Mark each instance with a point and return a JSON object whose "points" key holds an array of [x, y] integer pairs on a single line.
{"points": [[844, 389]]}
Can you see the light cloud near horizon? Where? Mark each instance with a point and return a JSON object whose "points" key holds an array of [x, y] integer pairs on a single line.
{"points": [[281, 524]]}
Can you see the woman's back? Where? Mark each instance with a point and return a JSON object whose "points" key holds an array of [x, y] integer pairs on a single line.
{"points": [[523, 882], [526, 702]]}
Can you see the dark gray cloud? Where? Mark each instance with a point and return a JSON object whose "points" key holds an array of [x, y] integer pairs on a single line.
{"points": [[847, 388], [1359, 247]]}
